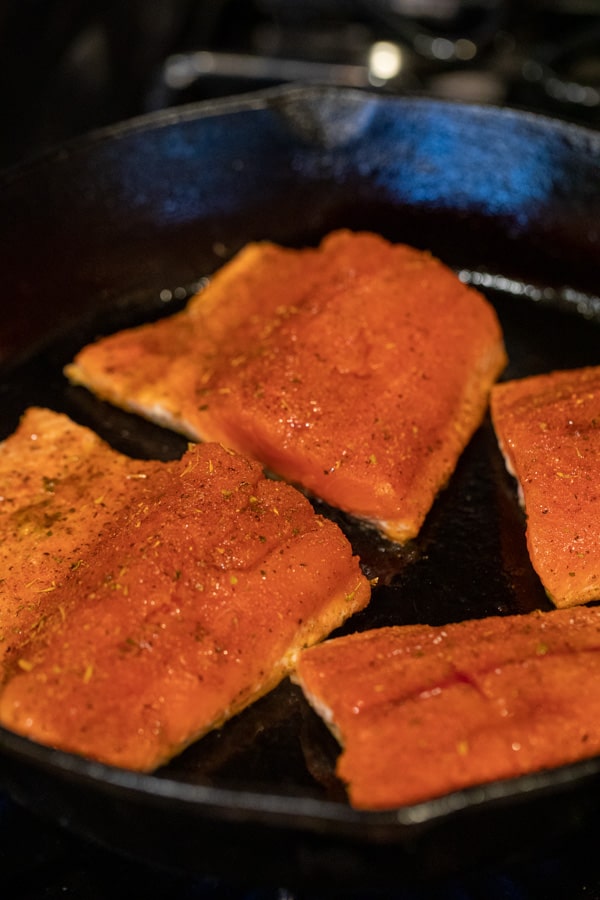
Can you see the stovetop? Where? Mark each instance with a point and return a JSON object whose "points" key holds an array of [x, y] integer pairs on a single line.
{"points": [[38, 861], [70, 66]]}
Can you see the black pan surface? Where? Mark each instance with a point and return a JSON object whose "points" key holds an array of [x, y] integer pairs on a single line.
{"points": [[118, 228]]}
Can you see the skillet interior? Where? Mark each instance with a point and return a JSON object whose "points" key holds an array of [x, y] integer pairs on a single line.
{"points": [[118, 228]]}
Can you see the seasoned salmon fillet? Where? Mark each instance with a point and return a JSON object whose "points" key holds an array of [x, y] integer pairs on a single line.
{"points": [[358, 370], [53, 478], [174, 595], [548, 428], [422, 711]]}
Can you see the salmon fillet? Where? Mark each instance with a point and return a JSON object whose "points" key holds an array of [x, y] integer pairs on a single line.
{"points": [[358, 370], [161, 598], [548, 428], [53, 477], [423, 711]]}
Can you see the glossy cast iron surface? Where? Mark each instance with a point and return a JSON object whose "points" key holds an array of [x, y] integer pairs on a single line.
{"points": [[118, 228]]}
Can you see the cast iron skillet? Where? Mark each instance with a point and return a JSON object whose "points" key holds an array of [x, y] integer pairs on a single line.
{"points": [[118, 228]]}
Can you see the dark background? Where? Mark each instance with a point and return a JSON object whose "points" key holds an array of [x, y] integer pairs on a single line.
{"points": [[68, 66]]}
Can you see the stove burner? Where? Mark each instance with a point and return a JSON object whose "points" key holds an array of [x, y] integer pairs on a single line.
{"points": [[72, 65]]}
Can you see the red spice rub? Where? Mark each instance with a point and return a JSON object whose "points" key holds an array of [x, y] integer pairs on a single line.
{"points": [[548, 428], [423, 711], [190, 604], [53, 476], [358, 370]]}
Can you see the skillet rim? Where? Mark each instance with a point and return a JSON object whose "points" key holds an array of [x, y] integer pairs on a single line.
{"points": [[281, 96], [388, 825]]}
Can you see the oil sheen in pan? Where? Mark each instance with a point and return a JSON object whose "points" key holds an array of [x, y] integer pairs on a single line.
{"points": [[470, 559]]}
